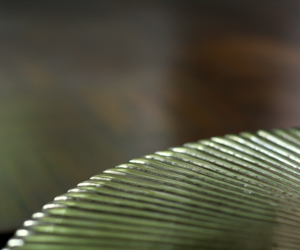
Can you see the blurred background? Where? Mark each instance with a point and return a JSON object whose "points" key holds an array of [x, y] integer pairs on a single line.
{"points": [[86, 85]]}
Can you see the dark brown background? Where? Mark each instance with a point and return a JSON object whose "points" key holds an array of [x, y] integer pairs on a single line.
{"points": [[87, 85]]}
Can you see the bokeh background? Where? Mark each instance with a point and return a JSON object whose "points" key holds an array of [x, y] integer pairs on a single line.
{"points": [[86, 85]]}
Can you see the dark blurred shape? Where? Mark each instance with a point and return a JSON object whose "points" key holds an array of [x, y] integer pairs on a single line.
{"points": [[4, 237], [86, 85]]}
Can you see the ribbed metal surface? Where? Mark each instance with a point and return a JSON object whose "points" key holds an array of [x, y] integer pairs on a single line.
{"points": [[231, 192]]}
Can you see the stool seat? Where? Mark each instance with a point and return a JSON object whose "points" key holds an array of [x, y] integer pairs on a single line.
{"points": [[231, 192]]}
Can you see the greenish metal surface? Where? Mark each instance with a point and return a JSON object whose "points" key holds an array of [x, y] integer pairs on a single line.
{"points": [[232, 192]]}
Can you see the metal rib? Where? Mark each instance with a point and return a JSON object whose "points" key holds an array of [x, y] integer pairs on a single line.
{"points": [[231, 192]]}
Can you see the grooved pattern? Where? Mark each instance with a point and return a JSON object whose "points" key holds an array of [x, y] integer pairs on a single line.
{"points": [[232, 192]]}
